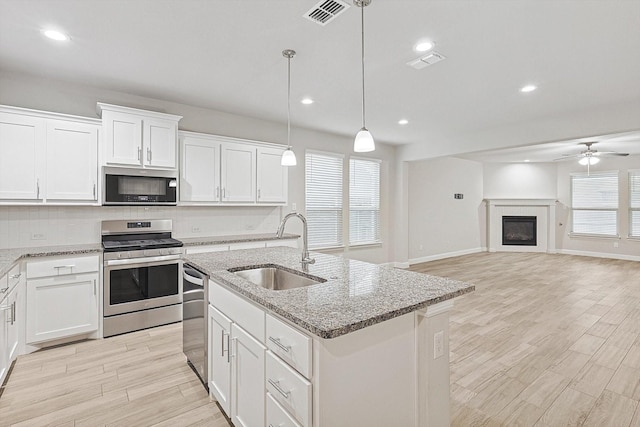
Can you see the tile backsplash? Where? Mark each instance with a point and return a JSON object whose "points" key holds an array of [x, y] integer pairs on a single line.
{"points": [[26, 226]]}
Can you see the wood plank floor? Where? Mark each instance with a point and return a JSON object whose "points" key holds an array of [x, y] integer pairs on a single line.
{"points": [[137, 379], [545, 340]]}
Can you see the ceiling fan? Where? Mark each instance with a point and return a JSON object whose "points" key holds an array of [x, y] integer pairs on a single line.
{"points": [[590, 156]]}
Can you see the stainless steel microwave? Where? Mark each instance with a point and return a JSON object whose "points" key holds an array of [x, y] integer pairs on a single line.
{"points": [[139, 187]]}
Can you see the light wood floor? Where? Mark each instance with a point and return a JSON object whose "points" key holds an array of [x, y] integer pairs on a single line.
{"points": [[137, 379], [545, 340]]}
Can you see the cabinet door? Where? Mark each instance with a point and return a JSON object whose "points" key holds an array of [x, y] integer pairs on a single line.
{"points": [[14, 321], [238, 173], [200, 170], [123, 137], [61, 306], [247, 379], [72, 161], [272, 176], [220, 358], [5, 307], [22, 145], [159, 139]]}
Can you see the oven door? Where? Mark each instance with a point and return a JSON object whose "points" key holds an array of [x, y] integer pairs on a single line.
{"points": [[141, 283]]}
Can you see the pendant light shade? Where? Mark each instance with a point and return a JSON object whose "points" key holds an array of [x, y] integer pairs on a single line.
{"points": [[364, 140], [288, 157]]}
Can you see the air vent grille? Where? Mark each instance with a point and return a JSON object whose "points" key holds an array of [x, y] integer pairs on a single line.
{"points": [[326, 11], [424, 61]]}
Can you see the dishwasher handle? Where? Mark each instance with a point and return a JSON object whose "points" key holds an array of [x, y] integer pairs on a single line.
{"points": [[193, 276]]}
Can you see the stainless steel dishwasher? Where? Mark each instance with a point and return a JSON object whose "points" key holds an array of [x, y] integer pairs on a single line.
{"points": [[195, 298]]}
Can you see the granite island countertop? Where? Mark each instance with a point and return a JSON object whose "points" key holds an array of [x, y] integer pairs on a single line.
{"points": [[356, 294]]}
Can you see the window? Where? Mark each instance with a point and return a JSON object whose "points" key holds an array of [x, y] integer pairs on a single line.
{"points": [[323, 189], [634, 203], [594, 203], [364, 201]]}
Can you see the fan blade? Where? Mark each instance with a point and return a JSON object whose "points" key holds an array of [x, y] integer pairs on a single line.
{"points": [[612, 153]]}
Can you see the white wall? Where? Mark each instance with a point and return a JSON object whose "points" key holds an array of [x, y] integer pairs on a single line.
{"points": [[439, 223], [627, 248], [520, 181], [64, 97]]}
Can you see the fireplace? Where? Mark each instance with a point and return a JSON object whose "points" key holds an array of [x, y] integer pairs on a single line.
{"points": [[519, 230]]}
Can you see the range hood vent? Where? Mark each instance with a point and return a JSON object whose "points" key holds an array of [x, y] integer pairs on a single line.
{"points": [[326, 11], [424, 61]]}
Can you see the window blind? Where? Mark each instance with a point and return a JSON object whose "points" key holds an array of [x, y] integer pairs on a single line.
{"points": [[323, 191], [364, 201], [634, 203], [594, 203]]}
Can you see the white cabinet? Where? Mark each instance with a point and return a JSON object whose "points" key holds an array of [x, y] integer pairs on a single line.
{"points": [[47, 157], [220, 358], [272, 177], [238, 173], [11, 319], [221, 170], [62, 297], [247, 379], [199, 169], [22, 156], [139, 138], [72, 161]]}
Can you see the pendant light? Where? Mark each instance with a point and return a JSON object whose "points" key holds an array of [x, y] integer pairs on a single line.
{"points": [[288, 157], [364, 140]]}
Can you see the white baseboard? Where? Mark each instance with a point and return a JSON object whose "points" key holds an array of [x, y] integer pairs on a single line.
{"points": [[599, 255], [396, 264], [446, 255]]}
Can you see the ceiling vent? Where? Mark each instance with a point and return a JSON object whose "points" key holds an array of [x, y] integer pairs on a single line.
{"points": [[326, 11], [424, 61]]}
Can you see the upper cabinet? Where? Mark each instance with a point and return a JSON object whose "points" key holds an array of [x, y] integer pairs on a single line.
{"points": [[230, 171], [47, 157], [139, 138]]}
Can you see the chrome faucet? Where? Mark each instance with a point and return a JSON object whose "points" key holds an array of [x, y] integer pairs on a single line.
{"points": [[305, 249]]}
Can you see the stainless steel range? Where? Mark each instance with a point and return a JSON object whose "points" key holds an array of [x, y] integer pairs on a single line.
{"points": [[142, 275]]}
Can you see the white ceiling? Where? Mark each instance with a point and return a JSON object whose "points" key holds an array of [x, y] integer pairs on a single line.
{"points": [[584, 55]]}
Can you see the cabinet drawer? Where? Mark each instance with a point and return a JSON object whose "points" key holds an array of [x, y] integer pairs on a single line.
{"points": [[242, 312], [54, 266], [292, 346], [289, 388], [277, 416]]}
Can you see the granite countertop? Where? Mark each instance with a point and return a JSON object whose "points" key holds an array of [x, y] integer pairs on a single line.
{"points": [[233, 238], [356, 294], [9, 256]]}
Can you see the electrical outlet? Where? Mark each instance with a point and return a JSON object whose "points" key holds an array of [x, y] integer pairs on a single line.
{"points": [[38, 236], [293, 207], [616, 244], [195, 229], [438, 344]]}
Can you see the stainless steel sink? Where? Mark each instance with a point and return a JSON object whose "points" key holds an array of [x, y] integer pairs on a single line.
{"points": [[276, 278]]}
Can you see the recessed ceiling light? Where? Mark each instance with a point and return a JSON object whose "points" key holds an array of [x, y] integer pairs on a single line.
{"points": [[527, 161], [55, 35], [403, 121], [528, 88], [424, 46], [307, 101]]}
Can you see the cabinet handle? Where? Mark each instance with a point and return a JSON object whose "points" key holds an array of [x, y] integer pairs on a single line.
{"points": [[277, 342], [234, 346], [222, 343], [15, 276], [94, 189], [94, 287], [64, 266], [38, 188], [13, 313], [258, 194], [139, 152], [224, 193], [217, 192], [228, 347], [276, 385], [2, 291], [148, 154]]}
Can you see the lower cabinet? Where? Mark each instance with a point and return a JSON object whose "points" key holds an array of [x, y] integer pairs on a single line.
{"points": [[62, 298], [236, 367], [11, 319]]}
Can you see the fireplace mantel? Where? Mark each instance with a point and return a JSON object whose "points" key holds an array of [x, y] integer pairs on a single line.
{"points": [[543, 209]]}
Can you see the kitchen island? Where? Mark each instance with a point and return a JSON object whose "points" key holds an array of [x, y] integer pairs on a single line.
{"points": [[377, 341]]}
